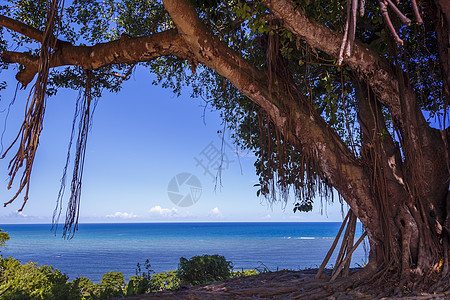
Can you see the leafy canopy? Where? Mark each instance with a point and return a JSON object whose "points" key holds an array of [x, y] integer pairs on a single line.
{"points": [[248, 28]]}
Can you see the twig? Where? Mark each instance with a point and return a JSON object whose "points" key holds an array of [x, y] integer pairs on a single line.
{"points": [[113, 74]]}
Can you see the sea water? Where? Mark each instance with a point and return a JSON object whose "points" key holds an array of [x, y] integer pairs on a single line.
{"points": [[100, 248]]}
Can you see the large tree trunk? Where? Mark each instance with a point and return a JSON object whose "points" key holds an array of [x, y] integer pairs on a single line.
{"points": [[409, 182]]}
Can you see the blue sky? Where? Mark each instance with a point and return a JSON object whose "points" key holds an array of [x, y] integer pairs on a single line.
{"points": [[141, 138]]}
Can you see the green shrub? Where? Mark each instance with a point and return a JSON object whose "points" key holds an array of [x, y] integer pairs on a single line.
{"points": [[165, 281], [141, 283], [85, 286], [203, 269], [4, 236], [110, 286], [28, 281], [244, 273]]}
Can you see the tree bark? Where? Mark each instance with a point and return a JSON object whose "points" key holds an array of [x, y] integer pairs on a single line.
{"points": [[440, 9], [125, 50]]}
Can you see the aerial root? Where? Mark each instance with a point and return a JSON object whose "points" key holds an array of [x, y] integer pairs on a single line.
{"points": [[342, 287], [442, 285]]}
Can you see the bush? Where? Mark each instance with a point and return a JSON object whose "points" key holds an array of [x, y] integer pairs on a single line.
{"points": [[165, 281], [85, 286], [243, 273], [110, 286], [4, 236], [28, 281], [203, 269], [141, 283]]}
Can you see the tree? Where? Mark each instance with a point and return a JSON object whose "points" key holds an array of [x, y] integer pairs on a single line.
{"points": [[4, 236], [111, 285], [204, 269], [326, 104], [30, 281]]}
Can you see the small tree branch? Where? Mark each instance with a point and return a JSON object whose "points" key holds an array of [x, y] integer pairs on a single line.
{"points": [[22, 28], [28, 31]]}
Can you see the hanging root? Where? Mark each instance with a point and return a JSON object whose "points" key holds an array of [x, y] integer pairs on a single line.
{"points": [[28, 136], [350, 24], [59, 200], [87, 109]]}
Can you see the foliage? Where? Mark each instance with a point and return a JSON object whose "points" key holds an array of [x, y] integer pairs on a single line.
{"points": [[244, 27], [165, 281], [303, 206], [111, 285], [28, 281], [203, 269], [243, 273], [85, 286], [4, 236], [142, 282]]}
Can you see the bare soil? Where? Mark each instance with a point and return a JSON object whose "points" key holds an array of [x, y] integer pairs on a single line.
{"points": [[284, 285]]}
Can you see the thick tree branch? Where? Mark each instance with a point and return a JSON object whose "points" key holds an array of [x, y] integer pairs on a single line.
{"points": [[125, 50], [300, 124], [30, 63]]}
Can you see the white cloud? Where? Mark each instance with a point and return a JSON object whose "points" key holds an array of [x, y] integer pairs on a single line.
{"points": [[17, 214], [163, 212], [122, 215], [268, 216], [215, 213]]}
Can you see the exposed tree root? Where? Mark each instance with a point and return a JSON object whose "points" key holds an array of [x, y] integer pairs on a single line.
{"points": [[303, 285]]}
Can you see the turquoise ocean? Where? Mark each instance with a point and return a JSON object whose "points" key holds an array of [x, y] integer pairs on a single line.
{"points": [[100, 248]]}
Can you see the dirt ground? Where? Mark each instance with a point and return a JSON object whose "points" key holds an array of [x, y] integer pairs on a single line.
{"points": [[279, 285]]}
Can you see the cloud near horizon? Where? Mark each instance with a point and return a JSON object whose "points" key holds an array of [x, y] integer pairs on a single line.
{"points": [[163, 212], [122, 215], [215, 213], [18, 214]]}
